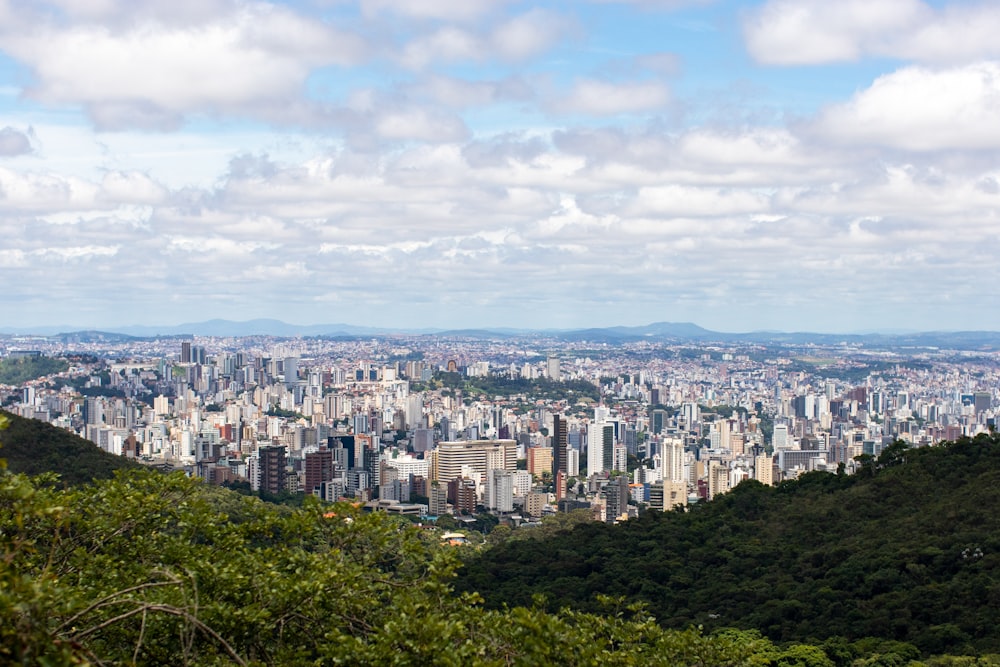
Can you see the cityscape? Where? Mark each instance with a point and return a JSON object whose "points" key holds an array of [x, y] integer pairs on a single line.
{"points": [[500, 332], [514, 426]]}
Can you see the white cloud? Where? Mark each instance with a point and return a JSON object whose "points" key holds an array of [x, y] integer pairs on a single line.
{"points": [[131, 188], [151, 74], [515, 39], [448, 43], [604, 98], [78, 252], [806, 32], [44, 191], [656, 4], [446, 10], [458, 93], [529, 34], [420, 124], [14, 142], [922, 109], [216, 246], [684, 201]]}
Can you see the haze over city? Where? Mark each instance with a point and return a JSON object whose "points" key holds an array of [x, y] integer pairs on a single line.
{"points": [[739, 164]]}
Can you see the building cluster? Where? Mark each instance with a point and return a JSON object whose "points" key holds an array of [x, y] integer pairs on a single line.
{"points": [[371, 420]]}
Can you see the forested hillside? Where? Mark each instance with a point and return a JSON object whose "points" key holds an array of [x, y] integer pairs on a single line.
{"points": [[909, 549], [34, 447], [156, 569], [17, 370]]}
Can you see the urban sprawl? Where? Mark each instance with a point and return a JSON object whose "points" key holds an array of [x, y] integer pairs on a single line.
{"points": [[515, 427]]}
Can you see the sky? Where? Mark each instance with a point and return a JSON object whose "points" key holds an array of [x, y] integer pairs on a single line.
{"points": [[797, 165]]}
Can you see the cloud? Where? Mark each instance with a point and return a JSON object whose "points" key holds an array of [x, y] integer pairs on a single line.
{"points": [[151, 74], [604, 98], [78, 252], [515, 39], [921, 109], [810, 32], [421, 125], [668, 5], [503, 149], [444, 10], [448, 43], [14, 142], [458, 93], [529, 34]]}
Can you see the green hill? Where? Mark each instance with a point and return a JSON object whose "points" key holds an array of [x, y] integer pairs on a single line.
{"points": [[17, 370], [153, 569], [34, 447], [907, 550]]}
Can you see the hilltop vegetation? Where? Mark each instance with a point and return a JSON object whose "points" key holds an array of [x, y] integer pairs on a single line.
{"points": [[34, 447], [161, 570], [907, 550], [18, 370], [536, 388]]}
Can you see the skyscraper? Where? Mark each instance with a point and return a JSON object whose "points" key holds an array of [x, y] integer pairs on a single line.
{"points": [[560, 439], [552, 369], [272, 468], [479, 456], [319, 468], [600, 447]]}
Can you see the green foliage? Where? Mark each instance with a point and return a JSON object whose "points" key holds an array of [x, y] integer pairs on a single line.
{"points": [[538, 388], [34, 447], [908, 552], [24, 369], [163, 570], [275, 411]]}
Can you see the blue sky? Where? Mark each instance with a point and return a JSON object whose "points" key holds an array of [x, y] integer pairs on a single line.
{"points": [[778, 164]]}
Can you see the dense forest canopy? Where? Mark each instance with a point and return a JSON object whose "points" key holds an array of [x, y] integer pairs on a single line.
{"points": [[18, 370], [908, 550]]}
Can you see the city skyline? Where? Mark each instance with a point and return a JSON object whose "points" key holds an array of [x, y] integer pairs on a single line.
{"points": [[745, 165]]}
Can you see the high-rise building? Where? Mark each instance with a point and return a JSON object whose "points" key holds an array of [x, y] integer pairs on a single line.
{"points": [[617, 495], [763, 469], [437, 496], [552, 369], [291, 367], [560, 439], [600, 447], [779, 438], [185, 352], [539, 461], [673, 459], [272, 468], [319, 468], [658, 421], [666, 495], [462, 494], [479, 456], [500, 490], [718, 478]]}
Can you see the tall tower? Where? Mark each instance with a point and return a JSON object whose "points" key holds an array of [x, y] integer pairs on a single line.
{"points": [[560, 438], [552, 369], [272, 468], [600, 447]]}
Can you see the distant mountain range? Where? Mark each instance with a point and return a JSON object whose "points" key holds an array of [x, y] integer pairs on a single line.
{"points": [[660, 331]]}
